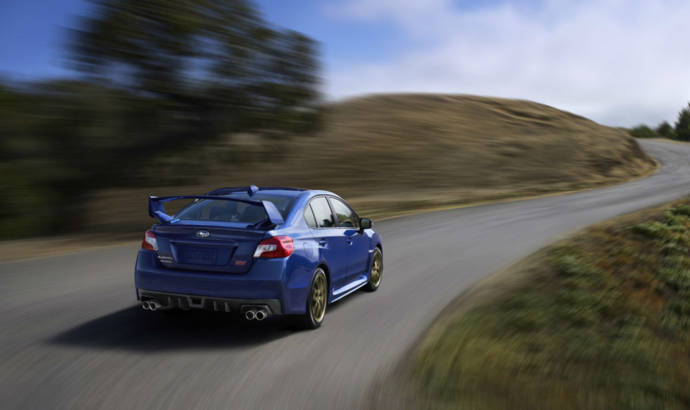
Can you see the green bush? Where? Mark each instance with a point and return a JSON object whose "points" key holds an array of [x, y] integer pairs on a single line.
{"points": [[665, 130], [683, 124], [642, 131], [681, 210], [653, 229]]}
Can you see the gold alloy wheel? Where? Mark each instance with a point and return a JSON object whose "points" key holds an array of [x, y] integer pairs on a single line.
{"points": [[319, 296], [376, 270]]}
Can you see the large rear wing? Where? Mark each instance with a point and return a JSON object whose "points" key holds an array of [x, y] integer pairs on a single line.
{"points": [[157, 210]]}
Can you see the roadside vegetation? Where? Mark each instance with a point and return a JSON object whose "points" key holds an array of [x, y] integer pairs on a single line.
{"points": [[598, 321], [679, 131]]}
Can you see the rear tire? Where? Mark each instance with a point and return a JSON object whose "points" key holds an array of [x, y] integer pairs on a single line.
{"points": [[375, 271], [316, 301]]}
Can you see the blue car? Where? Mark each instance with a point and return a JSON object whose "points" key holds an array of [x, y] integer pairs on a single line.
{"points": [[257, 251]]}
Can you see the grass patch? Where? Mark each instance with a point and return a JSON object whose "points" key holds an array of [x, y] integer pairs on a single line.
{"points": [[602, 321]]}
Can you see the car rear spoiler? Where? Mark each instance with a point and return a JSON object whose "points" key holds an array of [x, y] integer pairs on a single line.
{"points": [[157, 210]]}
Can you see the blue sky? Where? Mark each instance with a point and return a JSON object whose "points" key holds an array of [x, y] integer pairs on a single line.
{"points": [[31, 33], [34, 35], [620, 62]]}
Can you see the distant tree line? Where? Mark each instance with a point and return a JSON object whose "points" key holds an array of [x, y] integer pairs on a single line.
{"points": [[679, 131], [154, 77]]}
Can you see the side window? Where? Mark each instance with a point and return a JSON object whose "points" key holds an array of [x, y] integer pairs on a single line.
{"points": [[346, 217], [309, 216], [322, 212]]}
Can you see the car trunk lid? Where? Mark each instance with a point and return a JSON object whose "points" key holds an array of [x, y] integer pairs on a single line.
{"points": [[207, 248]]}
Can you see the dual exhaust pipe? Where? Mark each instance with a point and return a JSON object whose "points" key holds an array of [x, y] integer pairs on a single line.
{"points": [[150, 305], [256, 314]]}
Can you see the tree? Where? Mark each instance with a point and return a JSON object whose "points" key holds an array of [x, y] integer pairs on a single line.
{"points": [[683, 124], [157, 76], [216, 64], [665, 130], [642, 131]]}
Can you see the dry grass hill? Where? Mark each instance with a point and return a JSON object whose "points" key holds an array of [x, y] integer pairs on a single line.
{"points": [[395, 154]]}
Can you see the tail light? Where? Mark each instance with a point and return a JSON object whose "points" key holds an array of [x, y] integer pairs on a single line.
{"points": [[149, 241], [275, 247]]}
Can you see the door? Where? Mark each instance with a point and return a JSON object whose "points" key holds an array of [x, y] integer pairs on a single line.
{"points": [[332, 245], [357, 244]]}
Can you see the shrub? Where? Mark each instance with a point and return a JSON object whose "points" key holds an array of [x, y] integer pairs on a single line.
{"points": [[683, 124], [665, 130], [642, 131], [654, 230], [681, 210]]}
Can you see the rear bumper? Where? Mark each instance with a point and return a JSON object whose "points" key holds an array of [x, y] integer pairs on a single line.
{"points": [[186, 302], [262, 285]]}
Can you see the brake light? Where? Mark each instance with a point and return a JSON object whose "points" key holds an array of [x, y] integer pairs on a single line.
{"points": [[275, 247], [149, 241]]}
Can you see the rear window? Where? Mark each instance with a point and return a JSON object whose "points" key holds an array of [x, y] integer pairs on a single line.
{"points": [[283, 203], [230, 211]]}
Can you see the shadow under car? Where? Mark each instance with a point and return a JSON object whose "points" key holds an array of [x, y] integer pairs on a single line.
{"points": [[135, 329]]}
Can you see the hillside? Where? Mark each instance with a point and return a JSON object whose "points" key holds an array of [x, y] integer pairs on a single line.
{"points": [[394, 154]]}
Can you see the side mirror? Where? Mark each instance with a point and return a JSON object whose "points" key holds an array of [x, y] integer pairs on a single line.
{"points": [[365, 223]]}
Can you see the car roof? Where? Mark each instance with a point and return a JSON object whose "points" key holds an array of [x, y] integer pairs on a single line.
{"points": [[277, 190]]}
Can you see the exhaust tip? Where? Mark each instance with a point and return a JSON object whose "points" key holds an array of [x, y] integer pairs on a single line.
{"points": [[150, 305], [261, 314], [250, 315]]}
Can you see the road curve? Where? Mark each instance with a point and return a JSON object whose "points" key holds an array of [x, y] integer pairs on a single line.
{"points": [[72, 337]]}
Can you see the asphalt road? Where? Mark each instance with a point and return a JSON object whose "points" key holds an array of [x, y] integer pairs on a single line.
{"points": [[72, 336]]}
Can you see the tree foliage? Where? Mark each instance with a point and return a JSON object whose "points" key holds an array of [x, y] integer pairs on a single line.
{"points": [[683, 124], [155, 77], [642, 131], [218, 66], [665, 130]]}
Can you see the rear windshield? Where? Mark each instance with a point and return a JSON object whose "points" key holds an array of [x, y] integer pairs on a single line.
{"points": [[231, 211]]}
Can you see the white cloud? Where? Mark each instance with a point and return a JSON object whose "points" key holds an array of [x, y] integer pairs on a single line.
{"points": [[617, 62]]}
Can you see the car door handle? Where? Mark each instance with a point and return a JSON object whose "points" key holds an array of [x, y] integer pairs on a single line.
{"points": [[349, 242], [322, 242]]}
